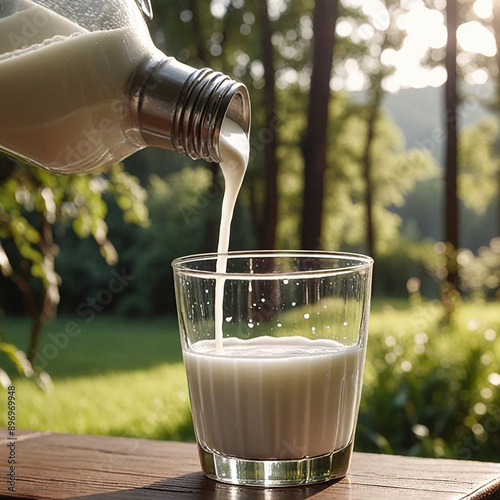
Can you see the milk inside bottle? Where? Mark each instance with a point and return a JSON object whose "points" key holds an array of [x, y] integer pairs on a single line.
{"points": [[61, 88], [82, 87]]}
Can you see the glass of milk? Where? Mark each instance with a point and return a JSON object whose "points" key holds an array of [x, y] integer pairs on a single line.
{"points": [[274, 351]]}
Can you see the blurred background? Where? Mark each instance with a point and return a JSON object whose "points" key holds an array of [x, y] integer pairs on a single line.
{"points": [[375, 129]]}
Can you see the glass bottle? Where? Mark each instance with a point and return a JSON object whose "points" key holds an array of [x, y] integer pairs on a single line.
{"points": [[82, 87]]}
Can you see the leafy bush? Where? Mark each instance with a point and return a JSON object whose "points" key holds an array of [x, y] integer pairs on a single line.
{"points": [[431, 389], [184, 209], [480, 274], [403, 260]]}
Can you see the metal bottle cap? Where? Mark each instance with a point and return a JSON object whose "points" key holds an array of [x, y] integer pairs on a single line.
{"points": [[182, 108]]}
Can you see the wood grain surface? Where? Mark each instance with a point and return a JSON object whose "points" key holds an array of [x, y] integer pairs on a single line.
{"points": [[54, 466]]}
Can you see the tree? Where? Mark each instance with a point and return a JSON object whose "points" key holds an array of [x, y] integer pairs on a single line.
{"points": [[34, 203], [451, 105], [268, 223], [496, 29], [315, 141], [395, 173], [391, 38]]}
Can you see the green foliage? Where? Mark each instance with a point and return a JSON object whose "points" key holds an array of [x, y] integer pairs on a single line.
{"points": [[17, 359], [404, 260], [76, 199], [185, 215], [178, 213], [432, 390], [480, 274], [479, 164], [395, 173], [35, 202]]}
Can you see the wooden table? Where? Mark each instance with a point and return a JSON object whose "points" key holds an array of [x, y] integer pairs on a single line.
{"points": [[50, 465]]}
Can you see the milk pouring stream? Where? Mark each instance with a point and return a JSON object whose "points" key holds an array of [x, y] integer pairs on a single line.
{"points": [[268, 398], [82, 87]]}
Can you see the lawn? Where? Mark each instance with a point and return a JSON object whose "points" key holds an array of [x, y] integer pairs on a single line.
{"points": [[118, 376], [431, 389]]}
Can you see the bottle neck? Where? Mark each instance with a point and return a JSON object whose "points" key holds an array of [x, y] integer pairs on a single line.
{"points": [[182, 108]]}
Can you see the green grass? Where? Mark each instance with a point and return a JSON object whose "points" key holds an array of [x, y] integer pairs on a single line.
{"points": [[117, 377], [428, 388]]}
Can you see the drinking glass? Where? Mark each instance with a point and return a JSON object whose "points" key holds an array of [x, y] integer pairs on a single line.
{"points": [[274, 351]]}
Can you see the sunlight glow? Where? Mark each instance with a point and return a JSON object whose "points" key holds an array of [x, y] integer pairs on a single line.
{"points": [[377, 13], [343, 28], [434, 35], [366, 31], [425, 29], [476, 38], [275, 8], [483, 8], [356, 81], [478, 77], [218, 8], [352, 4], [408, 61]]}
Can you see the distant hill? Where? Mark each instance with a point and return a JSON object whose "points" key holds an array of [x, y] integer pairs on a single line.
{"points": [[419, 113]]}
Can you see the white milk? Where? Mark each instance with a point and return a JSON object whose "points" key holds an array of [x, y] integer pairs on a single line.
{"points": [[60, 94], [274, 398], [234, 150]]}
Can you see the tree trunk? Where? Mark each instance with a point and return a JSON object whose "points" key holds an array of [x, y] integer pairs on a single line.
{"points": [[212, 225], [35, 331], [451, 199], [373, 111], [268, 223], [496, 28], [199, 40], [50, 291], [314, 146]]}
